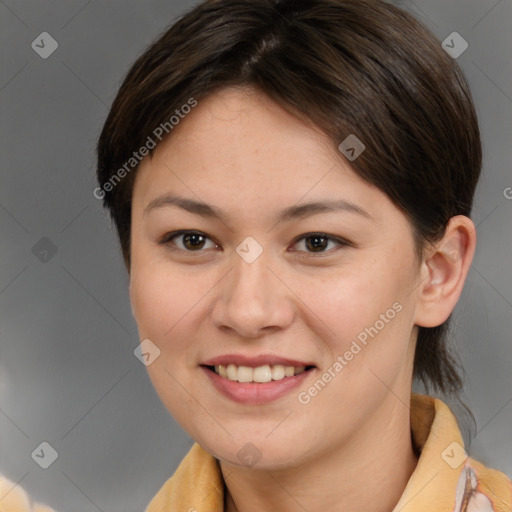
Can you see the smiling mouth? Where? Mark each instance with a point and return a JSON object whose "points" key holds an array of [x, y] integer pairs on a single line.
{"points": [[259, 374]]}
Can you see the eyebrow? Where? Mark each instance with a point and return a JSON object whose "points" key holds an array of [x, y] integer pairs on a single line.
{"points": [[292, 212]]}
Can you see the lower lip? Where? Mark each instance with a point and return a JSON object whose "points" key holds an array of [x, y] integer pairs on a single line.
{"points": [[253, 392]]}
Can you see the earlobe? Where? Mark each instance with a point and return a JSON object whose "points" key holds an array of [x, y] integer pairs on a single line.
{"points": [[446, 267]]}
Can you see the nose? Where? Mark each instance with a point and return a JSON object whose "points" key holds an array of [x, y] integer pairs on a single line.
{"points": [[253, 299]]}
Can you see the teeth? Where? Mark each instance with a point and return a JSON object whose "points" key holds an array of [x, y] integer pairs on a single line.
{"points": [[265, 373], [262, 374], [231, 371], [277, 372], [245, 374]]}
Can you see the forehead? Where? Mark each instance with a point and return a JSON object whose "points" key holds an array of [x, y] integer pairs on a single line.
{"points": [[248, 158], [240, 137], [244, 123]]}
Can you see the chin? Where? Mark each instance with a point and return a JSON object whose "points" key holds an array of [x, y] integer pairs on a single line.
{"points": [[259, 453]]}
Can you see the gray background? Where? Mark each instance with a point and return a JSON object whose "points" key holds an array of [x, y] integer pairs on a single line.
{"points": [[68, 375]]}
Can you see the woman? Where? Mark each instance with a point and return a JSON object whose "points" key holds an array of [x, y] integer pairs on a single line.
{"points": [[292, 182]]}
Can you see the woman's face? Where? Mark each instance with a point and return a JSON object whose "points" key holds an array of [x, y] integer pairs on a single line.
{"points": [[254, 288]]}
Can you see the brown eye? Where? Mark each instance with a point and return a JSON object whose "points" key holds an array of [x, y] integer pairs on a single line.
{"points": [[193, 241], [319, 242], [316, 243], [190, 241]]}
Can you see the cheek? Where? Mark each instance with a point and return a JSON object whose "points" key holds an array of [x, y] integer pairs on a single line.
{"points": [[346, 302], [162, 301], [164, 306], [368, 313]]}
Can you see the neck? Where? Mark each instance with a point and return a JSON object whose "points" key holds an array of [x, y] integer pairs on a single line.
{"points": [[369, 471]]}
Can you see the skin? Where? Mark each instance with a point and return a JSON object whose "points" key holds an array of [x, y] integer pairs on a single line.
{"points": [[349, 448]]}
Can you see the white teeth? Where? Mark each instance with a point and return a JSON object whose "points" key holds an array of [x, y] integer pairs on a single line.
{"points": [[245, 374], [232, 370], [278, 372], [262, 374], [265, 373]]}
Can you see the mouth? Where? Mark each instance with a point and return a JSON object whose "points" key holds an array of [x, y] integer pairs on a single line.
{"points": [[256, 385], [257, 379], [257, 374]]}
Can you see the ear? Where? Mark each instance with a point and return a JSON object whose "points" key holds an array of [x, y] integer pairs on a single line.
{"points": [[444, 271]]}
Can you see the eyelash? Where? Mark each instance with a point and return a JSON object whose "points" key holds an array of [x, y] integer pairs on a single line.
{"points": [[167, 239]]}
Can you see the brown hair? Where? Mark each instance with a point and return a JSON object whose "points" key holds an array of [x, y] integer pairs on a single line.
{"points": [[360, 67]]}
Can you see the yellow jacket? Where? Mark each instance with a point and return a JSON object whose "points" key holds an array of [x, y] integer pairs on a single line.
{"points": [[449, 480]]}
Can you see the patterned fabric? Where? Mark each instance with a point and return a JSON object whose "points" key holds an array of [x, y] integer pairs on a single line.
{"points": [[468, 497], [444, 480]]}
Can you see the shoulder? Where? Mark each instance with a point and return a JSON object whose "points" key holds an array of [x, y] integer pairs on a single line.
{"points": [[13, 498]]}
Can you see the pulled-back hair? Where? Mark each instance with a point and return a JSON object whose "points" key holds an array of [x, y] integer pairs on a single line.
{"points": [[361, 67]]}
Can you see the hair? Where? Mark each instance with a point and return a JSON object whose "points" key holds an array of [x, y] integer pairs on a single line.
{"points": [[362, 67]]}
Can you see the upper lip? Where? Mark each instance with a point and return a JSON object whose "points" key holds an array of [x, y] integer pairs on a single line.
{"points": [[254, 361]]}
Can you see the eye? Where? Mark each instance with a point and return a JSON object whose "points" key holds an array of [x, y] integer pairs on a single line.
{"points": [[190, 241], [318, 242], [195, 241]]}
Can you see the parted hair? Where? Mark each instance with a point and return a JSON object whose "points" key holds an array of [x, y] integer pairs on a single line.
{"points": [[362, 67]]}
